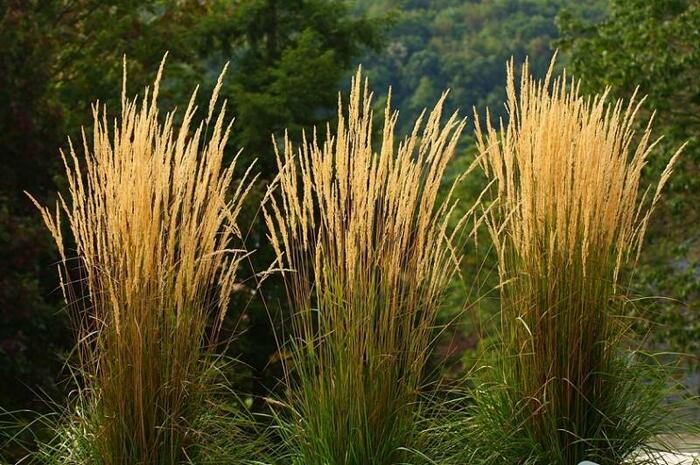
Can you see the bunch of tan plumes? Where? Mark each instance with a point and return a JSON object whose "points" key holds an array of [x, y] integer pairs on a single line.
{"points": [[152, 217], [570, 216], [366, 246]]}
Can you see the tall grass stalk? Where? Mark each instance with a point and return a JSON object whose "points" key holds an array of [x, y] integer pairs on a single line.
{"points": [[152, 213], [570, 216], [364, 241]]}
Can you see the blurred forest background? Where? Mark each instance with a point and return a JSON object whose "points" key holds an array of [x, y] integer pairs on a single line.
{"points": [[289, 58]]}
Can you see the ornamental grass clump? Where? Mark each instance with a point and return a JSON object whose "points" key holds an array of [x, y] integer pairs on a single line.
{"points": [[364, 240], [147, 272], [570, 217]]}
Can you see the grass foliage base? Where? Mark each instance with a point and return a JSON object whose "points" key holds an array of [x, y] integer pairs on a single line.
{"points": [[632, 418]]}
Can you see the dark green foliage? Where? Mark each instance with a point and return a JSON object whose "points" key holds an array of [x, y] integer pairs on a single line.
{"points": [[463, 46], [287, 61]]}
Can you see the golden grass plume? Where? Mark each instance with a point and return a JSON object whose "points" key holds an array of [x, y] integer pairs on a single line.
{"points": [[365, 242], [152, 212], [571, 213]]}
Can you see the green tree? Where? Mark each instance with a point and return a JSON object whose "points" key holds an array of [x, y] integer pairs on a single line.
{"points": [[288, 58], [655, 45], [463, 46]]}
